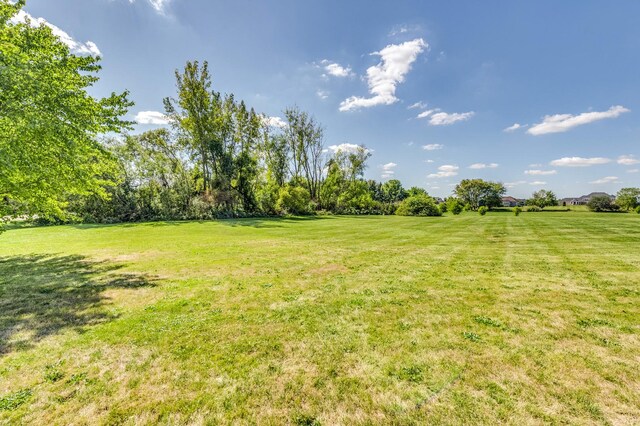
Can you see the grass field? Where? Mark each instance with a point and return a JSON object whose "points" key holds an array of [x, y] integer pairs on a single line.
{"points": [[369, 320]]}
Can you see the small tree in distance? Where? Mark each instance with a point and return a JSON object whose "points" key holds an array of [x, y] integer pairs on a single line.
{"points": [[454, 205], [478, 192], [418, 205], [602, 203], [542, 199]]}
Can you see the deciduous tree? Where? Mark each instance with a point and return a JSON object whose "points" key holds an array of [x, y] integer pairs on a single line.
{"points": [[628, 198], [49, 123], [543, 198], [477, 192]]}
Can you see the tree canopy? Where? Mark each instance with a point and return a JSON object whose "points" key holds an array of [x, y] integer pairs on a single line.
{"points": [[628, 198], [477, 192], [543, 198], [49, 123]]}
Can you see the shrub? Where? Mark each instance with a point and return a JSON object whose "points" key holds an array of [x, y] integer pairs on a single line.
{"points": [[418, 205], [454, 205], [293, 200], [638, 209], [534, 209], [517, 211], [482, 210], [602, 203]]}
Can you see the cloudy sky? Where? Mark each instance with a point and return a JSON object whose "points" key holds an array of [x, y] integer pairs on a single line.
{"points": [[538, 94]]}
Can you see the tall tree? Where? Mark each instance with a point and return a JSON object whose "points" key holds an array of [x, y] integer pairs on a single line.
{"points": [[49, 124], [305, 138], [194, 113]]}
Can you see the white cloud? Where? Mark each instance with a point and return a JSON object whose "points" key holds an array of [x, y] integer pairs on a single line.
{"points": [[151, 117], [432, 146], [608, 179], [478, 166], [425, 114], [633, 170], [562, 122], [512, 184], [428, 161], [76, 47], [445, 171], [417, 105], [445, 119], [537, 183], [514, 127], [533, 166], [388, 170], [579, 161], [540, 172], [335, 69], [383, 78], [347, 147], [159, 6], [274, 122], [628, 160], [322, 94]]}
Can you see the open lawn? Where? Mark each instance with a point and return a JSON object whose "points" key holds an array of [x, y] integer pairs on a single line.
{"points": [[338, 320]]}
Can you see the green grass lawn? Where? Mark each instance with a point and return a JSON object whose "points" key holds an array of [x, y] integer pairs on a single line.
{"points": [[339, 320]]}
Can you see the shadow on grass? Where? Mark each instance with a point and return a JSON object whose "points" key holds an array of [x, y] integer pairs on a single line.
{"points": [[270, 222], [43, 295], [255, 222]]}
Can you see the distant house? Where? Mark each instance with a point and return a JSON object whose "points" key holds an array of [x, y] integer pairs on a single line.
{"points": [[510, 202], [584, 200]]}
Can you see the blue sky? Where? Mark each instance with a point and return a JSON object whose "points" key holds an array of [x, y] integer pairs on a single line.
{"points": [[565, 72]]}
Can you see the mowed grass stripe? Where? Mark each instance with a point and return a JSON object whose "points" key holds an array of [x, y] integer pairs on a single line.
{"points": [[338, 320]]}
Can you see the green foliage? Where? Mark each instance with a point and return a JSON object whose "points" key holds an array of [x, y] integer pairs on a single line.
{"points": [[393, 192], [482, 210], [49, 123], [638, 209], [602, 203], [305, 136], [14, 400], [471, 336], [293, 200], [155, 182], [517, 211], [628, 198], [414, 190], [542, 199], [222, 135], [418, 205], [477, 192], [534, 209], [356, 199], [454, 205], [343, 190]]}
